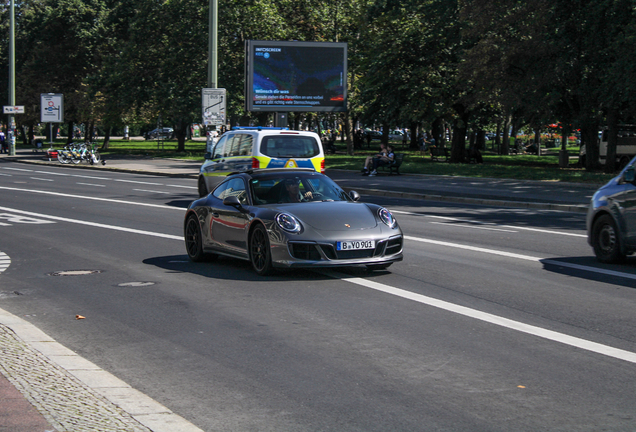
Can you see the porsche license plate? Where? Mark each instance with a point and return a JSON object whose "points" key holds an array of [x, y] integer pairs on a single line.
{"points": [[355, 245]]}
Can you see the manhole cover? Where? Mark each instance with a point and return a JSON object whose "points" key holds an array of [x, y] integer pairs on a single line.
{"points": [[135, 284], [74, 272]]}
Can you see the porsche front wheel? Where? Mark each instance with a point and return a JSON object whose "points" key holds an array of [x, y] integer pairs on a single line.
{"points": [[260, 253]]}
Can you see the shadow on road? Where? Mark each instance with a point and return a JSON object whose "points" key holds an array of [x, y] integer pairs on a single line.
{"points": [[588, 268]]}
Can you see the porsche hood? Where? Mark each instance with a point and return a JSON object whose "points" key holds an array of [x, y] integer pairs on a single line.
{"points": [[333, 216]]}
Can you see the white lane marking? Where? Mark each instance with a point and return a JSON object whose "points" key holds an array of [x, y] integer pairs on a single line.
{"points": [[492, 319], [53, 173], [475, 249], [92, 198], [184, 187], [90, 184], [6, 175], [139, 182], [91, 177], [151, 191], [5, 261], [463, 225], [525, 257], [22, 219], [94, 224], [18, 169], [521, 228], [41, 179]]}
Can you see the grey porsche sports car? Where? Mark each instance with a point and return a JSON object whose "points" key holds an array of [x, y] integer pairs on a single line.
{"points": [[284, 218]]}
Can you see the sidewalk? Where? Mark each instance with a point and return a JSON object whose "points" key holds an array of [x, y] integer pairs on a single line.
{"points": [[572, 197]]}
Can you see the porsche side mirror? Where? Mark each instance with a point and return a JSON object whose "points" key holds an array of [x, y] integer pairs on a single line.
{"points": [[354, 195], [207, 156], [232, 201], [629, 175]]}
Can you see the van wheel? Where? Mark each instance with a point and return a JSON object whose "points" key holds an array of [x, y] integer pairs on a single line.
{"points": [[623, 163], [203, 190], [606, 240]]}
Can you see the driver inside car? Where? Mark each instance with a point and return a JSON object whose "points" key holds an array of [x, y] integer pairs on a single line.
{"points": [[293, 194]]}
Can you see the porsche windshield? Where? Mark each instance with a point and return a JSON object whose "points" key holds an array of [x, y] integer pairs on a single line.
{"points": [[294, 188]]}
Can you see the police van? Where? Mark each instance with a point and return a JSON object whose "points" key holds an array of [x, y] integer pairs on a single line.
{"points": [[245, 148]]}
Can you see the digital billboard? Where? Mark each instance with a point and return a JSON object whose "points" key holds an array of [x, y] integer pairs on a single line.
{"points": [[295, 76]]}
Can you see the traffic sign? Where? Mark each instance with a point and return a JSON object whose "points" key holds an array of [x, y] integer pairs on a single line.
{"points": [[52, 108], [213, 105], [18, 109]]}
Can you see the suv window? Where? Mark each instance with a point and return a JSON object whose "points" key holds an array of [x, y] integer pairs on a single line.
{"points": [[218, 148], [290, 146], [239, 145]]}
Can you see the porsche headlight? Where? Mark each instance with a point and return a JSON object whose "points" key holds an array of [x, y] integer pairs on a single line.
{"points": [[288, 223], [386, 217]]}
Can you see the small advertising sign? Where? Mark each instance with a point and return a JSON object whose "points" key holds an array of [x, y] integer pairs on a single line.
{"points": [[213, 104], [52, 108], [18, 109]]}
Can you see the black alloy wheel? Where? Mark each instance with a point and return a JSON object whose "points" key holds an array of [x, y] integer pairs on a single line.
{"points": [[260, 253], [194, 241]]}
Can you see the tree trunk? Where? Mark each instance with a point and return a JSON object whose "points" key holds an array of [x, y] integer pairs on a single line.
{"points": [[505, 142], [612, 139], [458, 143], [589, 139], [180, 131], [413, 136], [348, 132], [385, 133], [69, 138], [107, 138], [498, 138]]}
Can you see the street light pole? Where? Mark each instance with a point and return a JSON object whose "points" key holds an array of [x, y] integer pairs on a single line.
{"points": [[213, 45], [11, 136]]}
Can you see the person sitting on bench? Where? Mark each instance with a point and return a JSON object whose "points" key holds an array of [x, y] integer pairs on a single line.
{"points": [[369, 161], [383, 161]]}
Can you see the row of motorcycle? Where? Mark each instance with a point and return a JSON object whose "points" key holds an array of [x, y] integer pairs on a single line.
{"points": [[79, 152]]}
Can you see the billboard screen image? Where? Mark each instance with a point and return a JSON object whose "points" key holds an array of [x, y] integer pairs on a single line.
{"points": [[296, 76]]}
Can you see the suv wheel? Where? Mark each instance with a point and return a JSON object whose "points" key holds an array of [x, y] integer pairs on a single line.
{"points": [[606, 240]]}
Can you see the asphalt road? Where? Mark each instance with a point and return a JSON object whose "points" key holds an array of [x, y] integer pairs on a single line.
{"points": [[497, 319]]}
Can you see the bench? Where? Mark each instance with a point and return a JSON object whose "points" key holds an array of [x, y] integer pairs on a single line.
{"points": [[438, 152], [394, 167]]}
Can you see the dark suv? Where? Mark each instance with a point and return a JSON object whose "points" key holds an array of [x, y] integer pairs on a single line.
{"points": [[611, 218]]}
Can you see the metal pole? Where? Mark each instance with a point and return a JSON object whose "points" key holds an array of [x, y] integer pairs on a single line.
{"points": [[12, 78], [213, 45]]}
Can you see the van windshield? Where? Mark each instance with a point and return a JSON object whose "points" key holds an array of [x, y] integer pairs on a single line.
{"points": [[289, 146]]}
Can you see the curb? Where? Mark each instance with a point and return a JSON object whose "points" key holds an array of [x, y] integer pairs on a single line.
{"points": [[73, 393]]}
